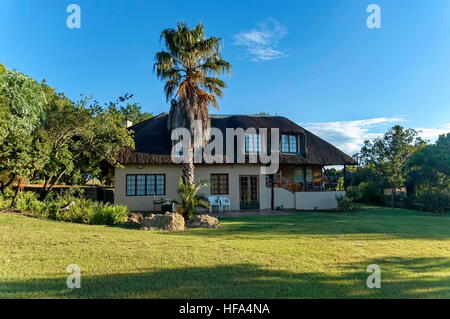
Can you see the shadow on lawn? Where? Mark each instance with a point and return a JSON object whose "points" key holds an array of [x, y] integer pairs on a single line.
{"points": [[248, 281]]}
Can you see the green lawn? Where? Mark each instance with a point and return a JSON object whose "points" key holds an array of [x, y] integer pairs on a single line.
{"points": [[309, 255]]}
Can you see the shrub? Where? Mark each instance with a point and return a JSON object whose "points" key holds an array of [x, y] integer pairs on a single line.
{"points": [[345, 204], [400, 200], [432, 201], [5, 203], [370, 193], [191, 198], [75, 214], [107, 214], [51, 210], [353, 194], [84, 211], [8, 193], [27, 202]]}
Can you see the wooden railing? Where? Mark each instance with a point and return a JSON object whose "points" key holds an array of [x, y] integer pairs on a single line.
{"points": [[293, 186]]}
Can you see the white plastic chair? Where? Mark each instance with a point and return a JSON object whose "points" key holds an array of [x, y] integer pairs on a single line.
{"points": [[214, 201], [225, 202]]}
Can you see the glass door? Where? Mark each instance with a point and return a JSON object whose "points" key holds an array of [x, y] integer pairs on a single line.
{"points": [[249, 192]]}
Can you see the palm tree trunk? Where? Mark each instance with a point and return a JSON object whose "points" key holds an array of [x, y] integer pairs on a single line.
{"points": [[189, 169]]}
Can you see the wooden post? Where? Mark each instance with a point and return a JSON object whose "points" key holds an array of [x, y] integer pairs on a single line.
{"points": [[345, 177], [272, 200], [329, 179], [304, 178]]}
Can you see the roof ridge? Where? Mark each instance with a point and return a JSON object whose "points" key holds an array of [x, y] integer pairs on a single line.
{"points": [[249, 115]]}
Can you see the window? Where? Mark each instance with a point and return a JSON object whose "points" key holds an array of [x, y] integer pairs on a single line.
{"points": [[253, 143], [299, 175], [289, 144], [140, 185], [219, 184], [144, 185], [131, 185]]}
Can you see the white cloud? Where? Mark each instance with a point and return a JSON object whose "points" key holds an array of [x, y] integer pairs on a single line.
{"points": [[433, 133], [261, 42], [349, 136]]}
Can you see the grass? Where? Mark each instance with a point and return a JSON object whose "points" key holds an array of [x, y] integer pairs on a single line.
{"points": [[307, 255]]}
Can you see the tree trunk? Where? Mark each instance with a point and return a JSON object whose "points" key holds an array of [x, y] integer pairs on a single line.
{"points": [[16, 194], [7, 184], [189, 170], [392, 196]]}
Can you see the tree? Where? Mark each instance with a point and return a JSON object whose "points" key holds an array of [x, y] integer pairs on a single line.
{"points": [[388, 156], [22, 106], [132, 112], [429, 167], [188, 65], [76, 138]]}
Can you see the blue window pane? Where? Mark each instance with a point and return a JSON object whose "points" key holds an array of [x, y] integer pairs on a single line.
{"points": [[292, 144], [140, 189], [150, 184], [131, 185]]}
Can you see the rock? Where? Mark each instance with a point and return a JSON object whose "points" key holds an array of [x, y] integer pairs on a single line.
{"points": [[67, 207], [168, 221], [203, 221], [134, 218]]}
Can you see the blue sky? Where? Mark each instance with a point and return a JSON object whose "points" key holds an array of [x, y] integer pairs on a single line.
{"points": [[314, 61]]}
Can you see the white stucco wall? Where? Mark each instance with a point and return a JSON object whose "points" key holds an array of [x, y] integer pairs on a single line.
{"points": [[173, 174], [284, 198], [316, 200], [144, 203]]}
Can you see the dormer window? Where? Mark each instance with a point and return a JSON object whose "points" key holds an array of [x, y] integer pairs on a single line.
{"points": [[289, 144], [253, 143]]}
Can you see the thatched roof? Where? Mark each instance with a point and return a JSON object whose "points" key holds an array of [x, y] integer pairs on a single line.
{"points": [[153, 143]]}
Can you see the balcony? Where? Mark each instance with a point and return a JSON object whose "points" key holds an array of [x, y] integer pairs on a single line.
{"points": [[292, 186], [300, 178]]}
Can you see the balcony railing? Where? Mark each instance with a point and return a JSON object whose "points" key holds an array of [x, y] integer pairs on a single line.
{"points": [[293, 186]]}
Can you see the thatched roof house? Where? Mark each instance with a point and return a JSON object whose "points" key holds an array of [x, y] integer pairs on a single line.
{"points": [[149, 173]]}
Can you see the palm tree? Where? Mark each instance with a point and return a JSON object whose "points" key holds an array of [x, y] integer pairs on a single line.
{"points": [[191, 198], [188, 65]]}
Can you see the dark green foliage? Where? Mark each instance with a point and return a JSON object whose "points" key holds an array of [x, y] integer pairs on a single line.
{"points": [[47, 137], [370, 192], [432, 201], [400, 159], [354, 194], [345, 204], [83, 211], [387, 156], [190, 198], [108, 214]]}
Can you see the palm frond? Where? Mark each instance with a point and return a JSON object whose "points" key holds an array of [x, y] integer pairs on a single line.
{"points": [[185, 65]]}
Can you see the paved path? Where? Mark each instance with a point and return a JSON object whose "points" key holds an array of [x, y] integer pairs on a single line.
{"points": [[249, 213]]}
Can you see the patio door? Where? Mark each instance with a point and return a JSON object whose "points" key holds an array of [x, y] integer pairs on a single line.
{"points": [[249, 192]]}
